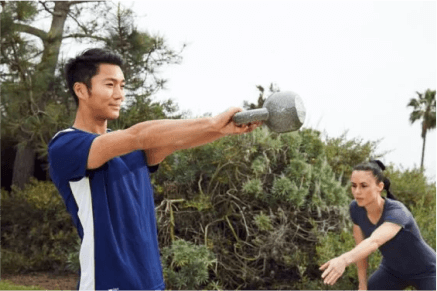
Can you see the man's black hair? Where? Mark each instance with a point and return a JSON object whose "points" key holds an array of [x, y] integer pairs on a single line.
{"points": [[86, 65]]}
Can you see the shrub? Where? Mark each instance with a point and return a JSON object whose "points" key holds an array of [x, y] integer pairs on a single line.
{"points": [[186, 265], [37, 232]]}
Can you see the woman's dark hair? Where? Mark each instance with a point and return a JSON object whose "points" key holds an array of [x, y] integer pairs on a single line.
{"points": [[86, 65], [377, 167]]}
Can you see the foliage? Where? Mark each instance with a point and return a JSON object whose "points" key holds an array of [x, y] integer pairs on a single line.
{"points": [[35, 102], [37, 232], [265, 194], [73, 262], [424, 214], [410, 185], [344, 153], [186, 265], [424, 110]]}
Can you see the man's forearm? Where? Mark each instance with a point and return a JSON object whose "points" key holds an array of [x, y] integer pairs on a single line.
{"points": [[178, 134], [361, 251]]}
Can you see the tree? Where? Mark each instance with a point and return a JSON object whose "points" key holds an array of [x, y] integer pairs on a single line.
{"points": [[424, 110], [35, 103], [29, 78], [260, 102], [144, 55]]}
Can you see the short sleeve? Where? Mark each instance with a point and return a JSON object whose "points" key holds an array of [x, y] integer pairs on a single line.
{"points": [[68, 154], [353, 212], [397, 214]]}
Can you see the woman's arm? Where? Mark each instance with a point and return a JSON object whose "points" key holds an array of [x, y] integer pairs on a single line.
{"points": [[380, 236], [361, 264], [335, 267]]}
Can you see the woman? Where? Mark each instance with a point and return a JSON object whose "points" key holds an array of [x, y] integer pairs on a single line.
{"points": [[387, 224]]}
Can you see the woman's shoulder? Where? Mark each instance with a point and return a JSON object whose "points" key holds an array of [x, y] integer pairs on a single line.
{"points": [[397, 212], [395, 205]]}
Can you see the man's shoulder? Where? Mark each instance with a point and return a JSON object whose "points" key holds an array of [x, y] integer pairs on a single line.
{"points": [[64, 131], [69, 133]]}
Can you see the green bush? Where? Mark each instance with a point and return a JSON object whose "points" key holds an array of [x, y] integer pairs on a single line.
{"points": [[186, 265], [264, 190], [37, 232], [425, 215]]}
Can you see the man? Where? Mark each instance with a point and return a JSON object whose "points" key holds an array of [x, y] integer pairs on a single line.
{"points": [[103, 176]]}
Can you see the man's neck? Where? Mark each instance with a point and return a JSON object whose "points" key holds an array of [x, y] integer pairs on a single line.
{"points": [[90, 124]]}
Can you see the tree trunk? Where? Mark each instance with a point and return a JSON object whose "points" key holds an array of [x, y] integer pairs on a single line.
{"points": [[23, 166], [423, 151], [45, 71]]}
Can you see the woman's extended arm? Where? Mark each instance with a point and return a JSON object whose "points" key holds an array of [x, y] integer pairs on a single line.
{"points": [[335, 267]]}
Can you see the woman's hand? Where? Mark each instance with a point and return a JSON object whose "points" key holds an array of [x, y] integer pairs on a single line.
{"points": [[333, 270]]}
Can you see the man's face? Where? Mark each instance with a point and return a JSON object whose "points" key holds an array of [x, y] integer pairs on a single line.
{"points": [[107, 92]]}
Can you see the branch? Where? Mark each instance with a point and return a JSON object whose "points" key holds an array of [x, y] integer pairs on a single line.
{"points": [[84, 1], [77, 22], [79, 35], [45, 7], [30, 30]]}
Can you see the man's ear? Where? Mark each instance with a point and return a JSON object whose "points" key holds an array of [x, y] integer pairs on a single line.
{"points": [[81, 90]]}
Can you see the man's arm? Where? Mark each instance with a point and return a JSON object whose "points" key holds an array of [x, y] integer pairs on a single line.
{"points": [[159, 138], [380, 236], [157, 155]]}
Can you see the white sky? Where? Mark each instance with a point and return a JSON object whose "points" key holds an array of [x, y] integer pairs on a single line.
{"points": [[355, 64]]}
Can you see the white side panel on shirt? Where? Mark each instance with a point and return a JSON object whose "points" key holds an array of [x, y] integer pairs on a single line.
{"points": [[82, 194]]}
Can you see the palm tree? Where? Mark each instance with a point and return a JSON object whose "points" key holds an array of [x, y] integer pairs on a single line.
{"points": [[423, 109]]}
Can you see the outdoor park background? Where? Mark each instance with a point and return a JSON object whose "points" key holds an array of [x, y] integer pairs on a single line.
{"points": [[261, 211]]}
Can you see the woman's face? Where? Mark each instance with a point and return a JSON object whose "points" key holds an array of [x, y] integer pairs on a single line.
{"points": [[365, 187]]}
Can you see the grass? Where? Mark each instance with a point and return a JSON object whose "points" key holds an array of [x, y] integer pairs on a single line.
{"points": [[7, 285]]}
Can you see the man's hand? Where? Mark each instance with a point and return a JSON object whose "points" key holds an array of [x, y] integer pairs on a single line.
{"points": [[224, 124], [333, 270]]}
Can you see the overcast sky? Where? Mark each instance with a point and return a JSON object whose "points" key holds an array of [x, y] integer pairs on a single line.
{"points": [[355, 64]]}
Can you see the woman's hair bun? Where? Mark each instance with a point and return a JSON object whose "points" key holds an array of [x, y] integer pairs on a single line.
{"points": [[379, 163]]}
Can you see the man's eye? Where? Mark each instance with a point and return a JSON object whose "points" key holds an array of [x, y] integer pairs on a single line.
{"points": [[109, 84]]}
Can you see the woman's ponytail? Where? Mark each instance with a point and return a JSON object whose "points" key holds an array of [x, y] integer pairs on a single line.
{"points": [[387, 189]]}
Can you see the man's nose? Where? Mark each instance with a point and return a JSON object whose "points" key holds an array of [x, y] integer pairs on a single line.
{"points": [[119, 93]]}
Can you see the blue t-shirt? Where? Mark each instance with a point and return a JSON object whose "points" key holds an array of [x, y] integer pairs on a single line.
{"points": [[113, 210], [407, 253]]}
